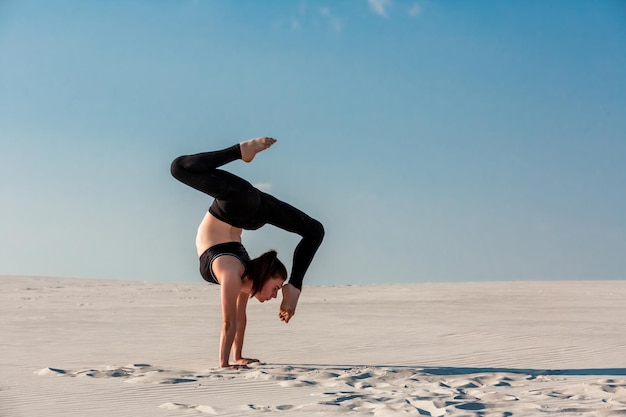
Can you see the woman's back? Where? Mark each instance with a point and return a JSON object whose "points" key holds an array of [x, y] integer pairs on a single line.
{"points": [[212, 231]]}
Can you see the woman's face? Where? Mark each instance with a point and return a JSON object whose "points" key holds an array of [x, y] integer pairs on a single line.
{"points": [[270, 289]]}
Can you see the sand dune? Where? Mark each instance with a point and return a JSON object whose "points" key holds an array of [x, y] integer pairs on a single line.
{"points": [[120, 348]]}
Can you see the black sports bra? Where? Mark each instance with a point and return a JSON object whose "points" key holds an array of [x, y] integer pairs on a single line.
{"points": [[235, 249]]}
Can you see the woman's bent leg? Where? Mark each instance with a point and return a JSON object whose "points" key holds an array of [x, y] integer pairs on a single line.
{"points": [[291, 219], [200, 171], [206, 161]]}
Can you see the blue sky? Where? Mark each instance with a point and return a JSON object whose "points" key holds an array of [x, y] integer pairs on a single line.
{"points": [[437, 141]]}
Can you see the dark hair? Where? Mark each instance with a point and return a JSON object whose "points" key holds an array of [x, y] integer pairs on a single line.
{"points": [[261, 269]]}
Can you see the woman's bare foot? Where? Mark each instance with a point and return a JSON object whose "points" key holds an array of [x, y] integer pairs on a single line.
{"points": [[251, 147]]}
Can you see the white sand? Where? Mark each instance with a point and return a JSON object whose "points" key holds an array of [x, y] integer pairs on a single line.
{"points": [[74, 347]]}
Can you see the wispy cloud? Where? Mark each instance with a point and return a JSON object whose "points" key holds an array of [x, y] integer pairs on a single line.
{"points": [[263, 186], [380, 7], [305, 17], [414, 10], [295, 24], [334, 21]]}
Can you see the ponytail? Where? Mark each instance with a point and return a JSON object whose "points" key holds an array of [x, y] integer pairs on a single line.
{"points": [[263, 268]]}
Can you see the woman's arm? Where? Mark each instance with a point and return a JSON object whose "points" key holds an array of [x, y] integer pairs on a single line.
{"points": [[242, 303], [231, 286], [228, 270]]}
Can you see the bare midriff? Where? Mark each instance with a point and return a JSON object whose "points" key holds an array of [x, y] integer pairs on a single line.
{"points": [[212, 231]]}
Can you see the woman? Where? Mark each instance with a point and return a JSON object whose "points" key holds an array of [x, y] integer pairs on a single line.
{"points": [[223, 259]]}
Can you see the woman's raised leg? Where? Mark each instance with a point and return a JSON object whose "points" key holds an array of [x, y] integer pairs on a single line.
{"points": [[200, 171], [289, 218]]}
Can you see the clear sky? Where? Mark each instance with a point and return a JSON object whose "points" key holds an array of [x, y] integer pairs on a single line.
{"points": [[435, 140]]}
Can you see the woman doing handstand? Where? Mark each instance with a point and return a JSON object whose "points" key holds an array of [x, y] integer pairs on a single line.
{"points": [[223, 259]]}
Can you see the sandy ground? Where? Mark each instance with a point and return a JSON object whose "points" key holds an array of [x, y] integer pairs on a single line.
{"points": [[79, 347]]}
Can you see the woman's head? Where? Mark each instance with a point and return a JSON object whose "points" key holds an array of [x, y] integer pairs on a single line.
{"points": [[268, 274]]}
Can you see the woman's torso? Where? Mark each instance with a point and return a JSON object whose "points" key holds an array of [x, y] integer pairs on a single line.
{"points": [[213, 231]]}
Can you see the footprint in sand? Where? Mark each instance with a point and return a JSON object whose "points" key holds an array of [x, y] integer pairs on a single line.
{"points": [[294, 383], [268, 408], [50, 371], [205, 409], [123, 372]]}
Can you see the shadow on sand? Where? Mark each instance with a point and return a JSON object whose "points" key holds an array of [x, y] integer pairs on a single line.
{"points": [[449, 370], [534, 372]]}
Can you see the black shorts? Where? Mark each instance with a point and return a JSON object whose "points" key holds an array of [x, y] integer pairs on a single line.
{"points": [[235, 249]]}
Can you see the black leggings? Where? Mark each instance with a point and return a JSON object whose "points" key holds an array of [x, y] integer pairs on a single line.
{"points": [[240, 204]]}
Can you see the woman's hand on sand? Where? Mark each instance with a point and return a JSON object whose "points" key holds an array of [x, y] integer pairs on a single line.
{"points": [[251, 147], [290, 300], [246, 361]]}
